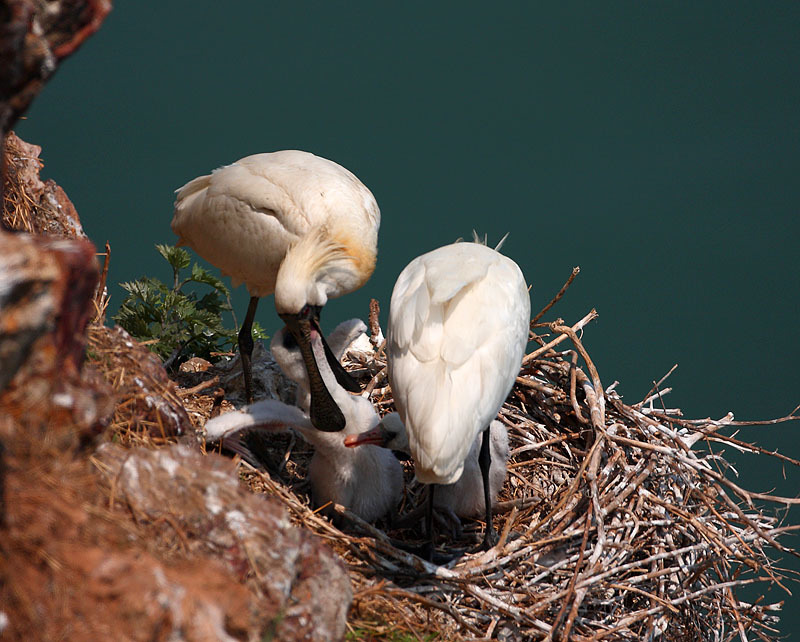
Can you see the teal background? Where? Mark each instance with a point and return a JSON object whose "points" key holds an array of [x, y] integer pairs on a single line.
{"points": [[656, 145]]}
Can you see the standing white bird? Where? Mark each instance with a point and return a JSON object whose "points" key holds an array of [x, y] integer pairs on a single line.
{"points": [[464, 498], [369, 483], [294, 224], [458, 327]]}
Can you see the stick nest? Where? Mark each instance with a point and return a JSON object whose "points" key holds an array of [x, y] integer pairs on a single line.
{"points": [[617, 521]]}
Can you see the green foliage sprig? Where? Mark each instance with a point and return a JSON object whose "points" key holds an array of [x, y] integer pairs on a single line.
{"points": [[174, 323]]}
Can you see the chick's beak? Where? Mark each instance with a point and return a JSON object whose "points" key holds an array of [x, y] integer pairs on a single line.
{"points": [[378, 436]]}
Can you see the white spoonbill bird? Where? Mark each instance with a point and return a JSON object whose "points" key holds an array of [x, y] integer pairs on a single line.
{"points": [[369, 483], [458, 327], [288, 223], [464, 498]]}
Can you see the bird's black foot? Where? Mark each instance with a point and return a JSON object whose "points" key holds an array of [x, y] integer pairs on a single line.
{"points": [[426, 551], [490, 538], [440, 559], [449, 522], [429, 553]]}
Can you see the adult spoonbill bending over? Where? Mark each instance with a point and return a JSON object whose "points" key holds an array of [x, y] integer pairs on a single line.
{"points": [[458, 327], [464, 498], [294, 224], [368, 481]]}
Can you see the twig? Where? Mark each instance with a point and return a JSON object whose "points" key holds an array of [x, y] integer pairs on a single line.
{"points": [[575, 271], [548, 346], [374, 323], [185, 392]]}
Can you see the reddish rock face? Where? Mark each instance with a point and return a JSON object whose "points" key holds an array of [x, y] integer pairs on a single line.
{"points": [[143, 544], [209, 561], [48, 279], [46, 292], [30, 204], [27, 306], [123, 544], [196, 502]]}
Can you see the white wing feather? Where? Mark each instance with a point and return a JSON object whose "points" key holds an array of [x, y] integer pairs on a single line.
{"points": [[269, 415], [457, 331]]}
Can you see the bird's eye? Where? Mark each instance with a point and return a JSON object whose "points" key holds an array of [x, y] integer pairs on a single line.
{"points": [[304, 313]]}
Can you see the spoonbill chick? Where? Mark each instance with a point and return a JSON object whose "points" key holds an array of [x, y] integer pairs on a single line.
{"points": [[287, 355], [369, 483], [458, 327], [464, 498], [288, 223]]}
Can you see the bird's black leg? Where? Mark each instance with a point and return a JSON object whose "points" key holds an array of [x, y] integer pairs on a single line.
{"points": [[246, 347], [485, 461], [428, 549]]}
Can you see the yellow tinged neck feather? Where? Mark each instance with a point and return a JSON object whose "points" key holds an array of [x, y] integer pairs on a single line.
{"points": [[321, 262], [361, 257]]}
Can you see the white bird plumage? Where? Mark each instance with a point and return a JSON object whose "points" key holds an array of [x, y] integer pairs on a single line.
{"points": [[245, 217], [369, 483], [458, 327], [289, 223]]}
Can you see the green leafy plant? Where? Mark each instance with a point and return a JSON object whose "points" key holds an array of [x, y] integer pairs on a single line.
{"points": [[175, 322]]}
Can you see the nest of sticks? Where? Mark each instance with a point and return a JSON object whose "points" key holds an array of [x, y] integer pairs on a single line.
{"points": [[616, 522]]}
